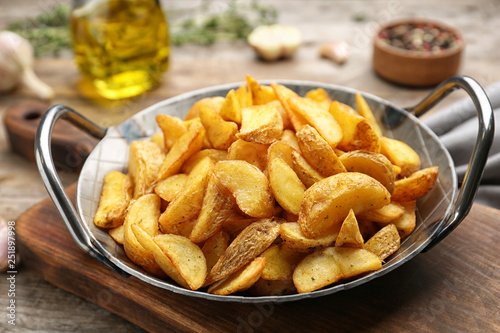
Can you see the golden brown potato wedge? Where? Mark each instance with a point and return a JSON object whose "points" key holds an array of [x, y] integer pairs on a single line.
{"points": [[115, 197], [280, 262], [284, 94], [365, 111], [253, 153], [169, 188], [290, 139], [144, 212], [187, 205], [349, 234], [186, 257], [401, 155], [244, 96], [372, 164], [327, 203], [187, 145], [217, 206], [386, 214], [251, 242], [172, 128], [249, 186], [385, 242], [240, 280], [260, 124], [144, 163], [319, 118], [219, 132], [294, 239], [307, 174], [215, 154], [287, 124], [231, 108], [118, 234], [406, 223], [280, 150], [214, 247], [146, 240], [286, 186], [213, 103], [357, 132], [321, 96], [273, 287], [416, 186], [260, 94], [318, 152], [353, 262]]}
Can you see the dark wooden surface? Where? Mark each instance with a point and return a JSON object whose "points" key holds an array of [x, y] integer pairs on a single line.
{"points": [[455, 287]]}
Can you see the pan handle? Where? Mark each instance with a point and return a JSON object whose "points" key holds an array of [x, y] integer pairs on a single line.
{"points": [[480, 152], [43, 154]]}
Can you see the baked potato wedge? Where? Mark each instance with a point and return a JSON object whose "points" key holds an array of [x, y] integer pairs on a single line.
{"points": [[144, 162], [115, 197]]}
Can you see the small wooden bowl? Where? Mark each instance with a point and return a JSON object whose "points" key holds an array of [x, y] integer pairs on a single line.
{"points": [[416, 68]]}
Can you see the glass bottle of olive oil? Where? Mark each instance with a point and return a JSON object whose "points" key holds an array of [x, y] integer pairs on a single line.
{"points": [[122, 46]]}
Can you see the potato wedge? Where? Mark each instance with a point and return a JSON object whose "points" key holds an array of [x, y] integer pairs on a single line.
{"points": [[186, 257], [169, 188], [385, 242], [187, 145], [357, 132], [317, 270], [158, 139], [319, 118], [118, 234], [327, 203], [240, 280], [235, 223], [349, 234], [215, 154], [172, 128], [280, 150], [251, 242], [214, 247], [284, 94], [213, 103], [373, 164], [385, 214], [231, 108], [144, 163], [273, 287], [220, 133], [249, 186], [187, 205], [260, 124], [217, 206], [406, 223], [287, 124], [286, 186], [365, 111], [416, 186], [253, 153], [280, 262], [290, 139], [294, 239], [146, 240], [321, 96], [318, 152], [353, 262], [307, 174], [260, 94], [244, 96], [401, 155], [144, 212], [115, 196]]}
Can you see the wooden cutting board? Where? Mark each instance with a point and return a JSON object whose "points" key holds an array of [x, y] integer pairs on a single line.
{"points": [[455, 287]]}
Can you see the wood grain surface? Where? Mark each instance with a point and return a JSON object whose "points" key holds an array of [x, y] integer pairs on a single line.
{"points": [[43, 307], [455, 287]]}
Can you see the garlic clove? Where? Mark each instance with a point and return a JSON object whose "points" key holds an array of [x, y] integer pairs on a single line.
{"points": [[272, 42], [337, 51], [16, 66]]}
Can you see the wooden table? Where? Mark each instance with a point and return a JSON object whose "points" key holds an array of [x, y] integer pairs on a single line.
{"points": [[454, 299]]}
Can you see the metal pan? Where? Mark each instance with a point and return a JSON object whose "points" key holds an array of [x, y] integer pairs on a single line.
{"points": [[438, 213]]}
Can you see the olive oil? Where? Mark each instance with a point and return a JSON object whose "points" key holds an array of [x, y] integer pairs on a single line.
{"points": [[122, 46]]}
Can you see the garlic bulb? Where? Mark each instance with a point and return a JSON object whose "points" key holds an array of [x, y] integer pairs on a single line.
{"points": [[16, 66], [276, 41]]}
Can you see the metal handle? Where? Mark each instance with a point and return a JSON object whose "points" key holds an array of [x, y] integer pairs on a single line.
{"points": [[43, 154], [480, 152]]}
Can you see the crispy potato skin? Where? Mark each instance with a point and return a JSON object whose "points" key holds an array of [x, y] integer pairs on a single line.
{"points": [[416, 185], [115, 198]]}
